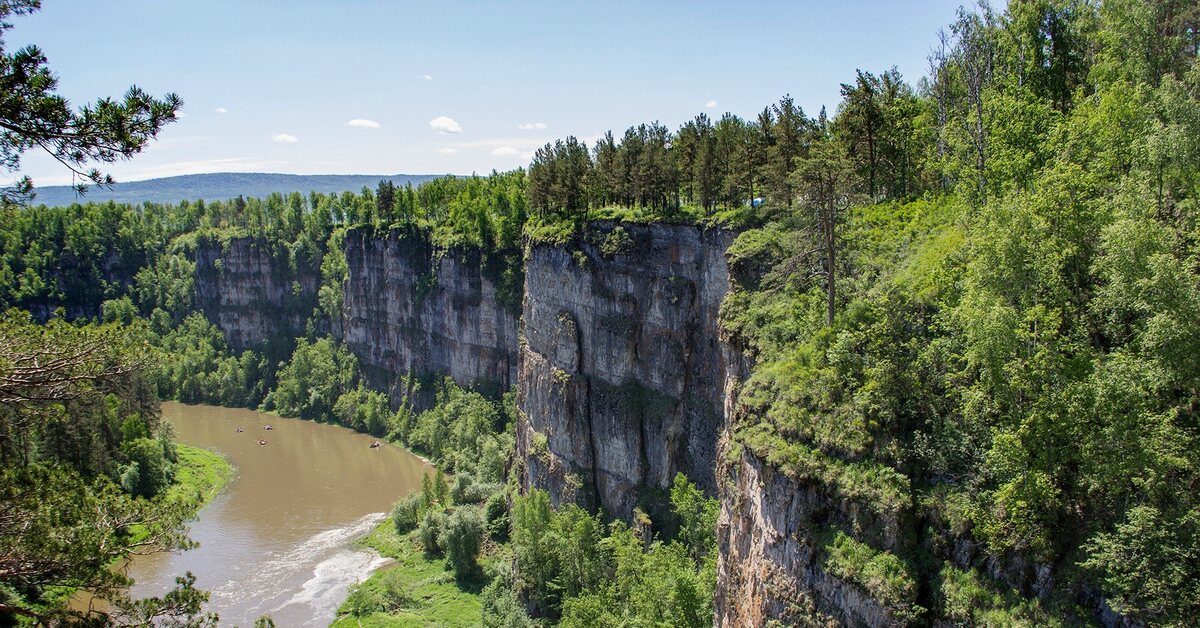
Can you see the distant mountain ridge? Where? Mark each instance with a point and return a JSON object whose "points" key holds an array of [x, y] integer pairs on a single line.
{"points": [[220, 186]]}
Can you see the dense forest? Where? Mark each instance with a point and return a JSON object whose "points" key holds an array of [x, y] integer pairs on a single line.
{"points": [[970, 302]]}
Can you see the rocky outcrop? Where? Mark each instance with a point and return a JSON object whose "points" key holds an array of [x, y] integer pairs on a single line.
{"points": [[414, 310], [622, 370], [769, 565], [255, 296]]}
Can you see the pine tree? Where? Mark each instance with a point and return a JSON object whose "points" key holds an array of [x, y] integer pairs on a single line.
{"points": [[33, 115]]}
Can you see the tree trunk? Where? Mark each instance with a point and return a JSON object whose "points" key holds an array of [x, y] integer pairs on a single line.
{"points": [[830, 259]]}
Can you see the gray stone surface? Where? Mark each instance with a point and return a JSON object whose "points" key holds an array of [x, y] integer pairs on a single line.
{"points": [[411, 309], [622, 367], [768, 566], [252, 297]]}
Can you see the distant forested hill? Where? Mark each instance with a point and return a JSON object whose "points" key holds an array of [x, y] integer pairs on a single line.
{"points": [[220, 185]]}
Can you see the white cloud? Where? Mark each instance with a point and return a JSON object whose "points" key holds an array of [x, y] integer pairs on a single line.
{"points": [[284, 138], [506, 151], [366, 124], [443, 124], [179, 115], [221, 110], [532, 126], [710, 104], [447, 151], [425, 77]]}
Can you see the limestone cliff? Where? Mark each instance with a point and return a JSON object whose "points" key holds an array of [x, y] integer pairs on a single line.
{"points": [[622, 371], [769, 560], [411, 309], [254, 295], [625, 378]]}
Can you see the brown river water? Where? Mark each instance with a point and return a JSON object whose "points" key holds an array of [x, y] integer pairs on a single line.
{"points": [[278, 540]]}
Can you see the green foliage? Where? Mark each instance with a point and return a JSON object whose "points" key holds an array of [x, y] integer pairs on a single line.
{"points": [[365, 411], [881, 574], [697, 518], [463, 433], [149, 471], [572, 567], [461, 539], [1149, 562], [120, 311], [967, 598], [77, 425], [1010, 351], [310, 384], [199, 475], [386, 594], [441, 488], [496, 514], [617, 242], [655, 587], [429, 531], [334, 272], [973, 304], [501, 608], [533, 548], [34, 115], [198, 367], [406, 514], [418, 588], [168, 284]]}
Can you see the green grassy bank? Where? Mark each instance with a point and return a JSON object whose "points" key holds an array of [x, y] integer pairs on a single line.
{"points": [[416, 590], [200, 475]]}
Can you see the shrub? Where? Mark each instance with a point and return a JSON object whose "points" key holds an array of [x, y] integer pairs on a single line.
{"points": [[430, 530], [501, 608], [880, 573], [406, 514], [461, 488], [473, 491], [461, 538], [618, 242], [386, 594], [149, 471], [496, 513]]}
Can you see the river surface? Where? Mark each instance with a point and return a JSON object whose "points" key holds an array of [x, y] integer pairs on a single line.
{"points": [[278, 539]]}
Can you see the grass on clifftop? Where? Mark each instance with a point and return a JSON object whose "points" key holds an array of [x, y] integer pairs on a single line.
{"points": [[414, 591]]}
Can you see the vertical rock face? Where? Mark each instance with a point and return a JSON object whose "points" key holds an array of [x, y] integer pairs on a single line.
{"points": [[622, 371], [412, 310], [251, 295], [768, 566]]}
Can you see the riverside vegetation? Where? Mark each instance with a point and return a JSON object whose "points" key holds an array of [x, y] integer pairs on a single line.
{"points": [[970, 305]]}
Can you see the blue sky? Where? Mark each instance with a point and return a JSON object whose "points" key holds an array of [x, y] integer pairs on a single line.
{"points": [[273, 86]]}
